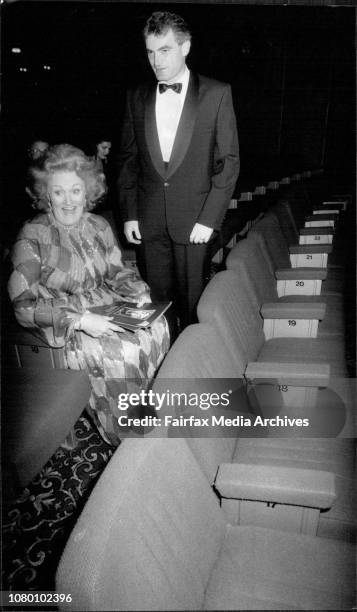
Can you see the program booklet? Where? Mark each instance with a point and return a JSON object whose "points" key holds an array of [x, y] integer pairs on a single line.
{"points": [[128, 316]]}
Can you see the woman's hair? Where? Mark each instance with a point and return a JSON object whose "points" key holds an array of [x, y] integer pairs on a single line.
{"points": [[65, 157], [162, 21]]}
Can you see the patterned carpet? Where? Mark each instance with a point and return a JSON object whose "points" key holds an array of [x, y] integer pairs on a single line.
{"points": [[37, 524]]}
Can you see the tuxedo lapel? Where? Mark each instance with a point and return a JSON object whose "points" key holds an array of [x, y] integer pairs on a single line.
{"points": [[185, 126], [184, 129], [152, 138]]}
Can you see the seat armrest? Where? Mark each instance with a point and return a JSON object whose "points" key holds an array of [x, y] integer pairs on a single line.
{"points": [[324, 217], [311, 231], [285, 485], [337, 204], [301, 274], [292, 310], [304, 249], [26, 337], [294, 374]]}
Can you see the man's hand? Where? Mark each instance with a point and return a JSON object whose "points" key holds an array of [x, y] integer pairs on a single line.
{"points": [[200, 234], [132, 232]]}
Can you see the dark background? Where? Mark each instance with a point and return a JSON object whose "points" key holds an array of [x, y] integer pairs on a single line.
{"points": [[292, 70]]}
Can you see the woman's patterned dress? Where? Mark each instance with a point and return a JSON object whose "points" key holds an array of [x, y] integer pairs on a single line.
{"points": [[57, 274]]}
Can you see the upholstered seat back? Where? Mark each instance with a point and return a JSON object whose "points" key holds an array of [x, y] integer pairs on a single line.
{"points": [[269, 228], [199, 362], [198, 352], [286, 221], [150, 535], [247, 257], [229, 305]]}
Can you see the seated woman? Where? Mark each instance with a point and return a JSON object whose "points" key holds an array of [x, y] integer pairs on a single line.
{"points": [[65, 261]]}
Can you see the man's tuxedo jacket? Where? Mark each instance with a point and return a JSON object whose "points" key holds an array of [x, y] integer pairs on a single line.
{"points": [[199, 180]]}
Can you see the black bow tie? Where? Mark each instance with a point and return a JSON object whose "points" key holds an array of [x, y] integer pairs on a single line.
{"points": [[175, 87]]}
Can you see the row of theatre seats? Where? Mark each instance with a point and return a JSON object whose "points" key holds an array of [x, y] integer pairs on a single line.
{"points": [[191, 516]]}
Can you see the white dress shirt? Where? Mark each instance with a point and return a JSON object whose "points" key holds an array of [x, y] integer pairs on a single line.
{"points": [[169, 105]]}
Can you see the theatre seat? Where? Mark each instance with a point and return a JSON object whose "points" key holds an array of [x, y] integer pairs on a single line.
{"points": [[39, 409], [153, 537], [228, 304], [200, 362]]}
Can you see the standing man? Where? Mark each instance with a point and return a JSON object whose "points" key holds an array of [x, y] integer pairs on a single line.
{"points": [[179, 163]]}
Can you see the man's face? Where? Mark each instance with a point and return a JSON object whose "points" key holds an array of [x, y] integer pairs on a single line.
{"points": [[166, 56], [103, 149]]}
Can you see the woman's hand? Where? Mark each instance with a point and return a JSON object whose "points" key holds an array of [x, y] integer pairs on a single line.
{"points": [[144, 299], [141, 301], [98, 325]]}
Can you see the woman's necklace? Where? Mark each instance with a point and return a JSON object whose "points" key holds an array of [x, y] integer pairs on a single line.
{"points": [[77, 240]]}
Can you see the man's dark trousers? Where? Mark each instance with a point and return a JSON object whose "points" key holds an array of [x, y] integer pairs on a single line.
{"points": [[177, 272]]}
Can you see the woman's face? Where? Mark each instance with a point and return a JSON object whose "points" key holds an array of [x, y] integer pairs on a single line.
{"points": [[37, 149], [67, 194]]}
